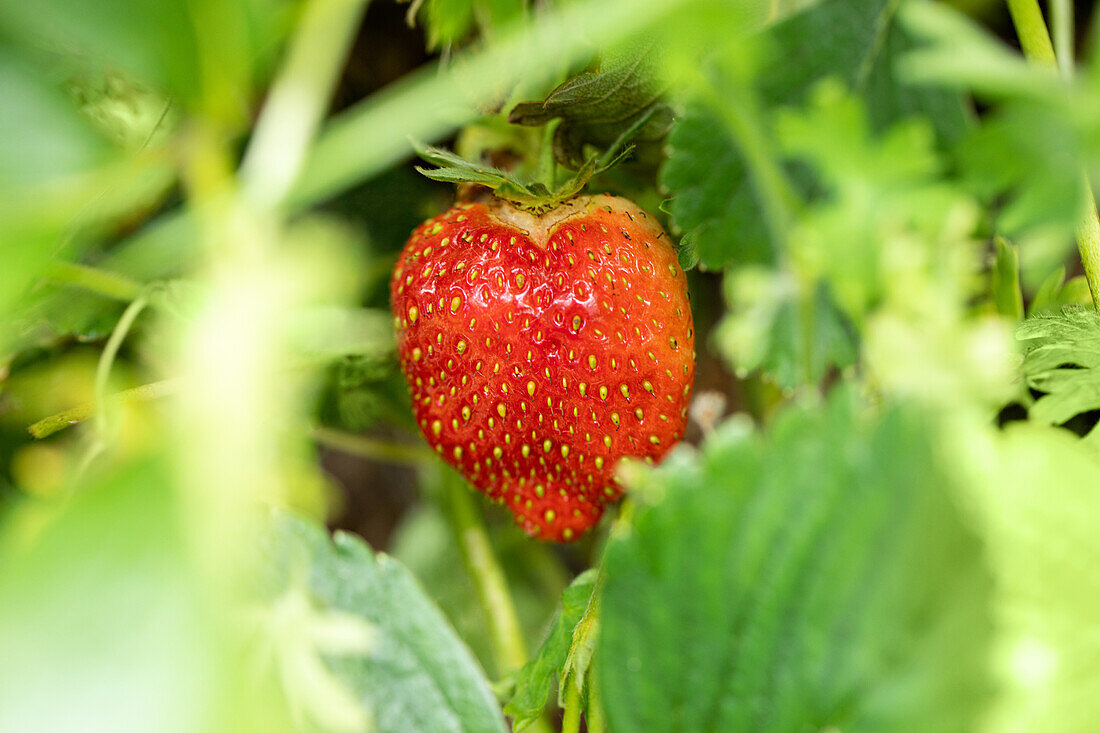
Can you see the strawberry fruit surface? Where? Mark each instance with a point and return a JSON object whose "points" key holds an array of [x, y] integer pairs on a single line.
{"points": [[541, 349]]}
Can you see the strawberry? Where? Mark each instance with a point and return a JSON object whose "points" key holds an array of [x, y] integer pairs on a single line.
{"points": [[541, 349]]}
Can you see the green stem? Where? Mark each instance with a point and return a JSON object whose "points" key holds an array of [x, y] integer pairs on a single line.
{"points": [[1032, 30], [108, 284], [49, 425], [490, 584], [594, 715], [375, 450], [298, 99], [102, 376], [571, 721], [1035, 40], [1061, 19], [547, 170], [1088, 243]]}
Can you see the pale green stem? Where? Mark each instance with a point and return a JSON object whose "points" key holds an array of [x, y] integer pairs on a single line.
{"points": [[101, 282], [107, 358], [571, 721], [547, 169], [1032, 30], [477, 553], [1061, 19], [594, 716], [154, 390], [372, 449], [103, 375], [1035, 40], [505, 632], [298, 99]]}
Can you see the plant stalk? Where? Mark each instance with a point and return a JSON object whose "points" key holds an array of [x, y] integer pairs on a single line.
{"points": [[491, 586], [1035, 41], [375, 450], [571, 721], [101, 282]]}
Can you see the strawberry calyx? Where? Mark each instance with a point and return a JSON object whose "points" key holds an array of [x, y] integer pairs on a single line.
{"points": [[532, 196]]}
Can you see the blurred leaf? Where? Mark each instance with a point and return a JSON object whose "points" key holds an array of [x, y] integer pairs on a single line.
{"points": [[1046, 296], [817, 577], [769, 328], [623, 95], [100, 602], [1038, 501], [42, 136], [1031, 156], [417, 675], [1062, 359], [203, 51], [1026, 155], [448, 22], [714, 196], [954, 50], [537, 676], [880, 188], [47, 159], [1005, 285]]}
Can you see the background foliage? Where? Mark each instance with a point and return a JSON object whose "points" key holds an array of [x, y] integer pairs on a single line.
{"points": [[882, 518]]}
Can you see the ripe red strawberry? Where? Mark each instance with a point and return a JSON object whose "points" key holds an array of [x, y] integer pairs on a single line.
{"points": [[542, 349]]}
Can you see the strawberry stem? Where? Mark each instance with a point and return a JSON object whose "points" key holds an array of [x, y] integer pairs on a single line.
{"points": [[474, 545], [383, 451], [547, 169]]}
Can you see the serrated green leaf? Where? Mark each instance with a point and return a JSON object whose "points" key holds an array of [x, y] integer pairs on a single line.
{"points": [[537, 676], [713, 199], [815, 577], [857, 41], [1062, 359], [597, 107], [418, 676]]}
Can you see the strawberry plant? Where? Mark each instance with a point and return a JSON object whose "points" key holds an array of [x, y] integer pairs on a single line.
{"points": [[501, 365]]}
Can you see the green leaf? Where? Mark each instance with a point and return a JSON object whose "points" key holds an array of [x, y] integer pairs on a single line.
{"points": [[713, 198], [714, 195], [859, 41], [48, 161], [770, 329], [817, 577], [1038, 498], [1046, 296], [1062, 359], [1005, 284], [417, 676], [596, 108], [536, 677], [449, 22], [100, 601], [1025, 157]]}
